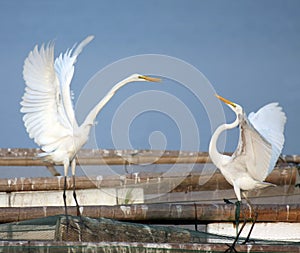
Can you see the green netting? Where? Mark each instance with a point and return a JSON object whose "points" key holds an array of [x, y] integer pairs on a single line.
{"points": [[39, 235], [37, 229]]}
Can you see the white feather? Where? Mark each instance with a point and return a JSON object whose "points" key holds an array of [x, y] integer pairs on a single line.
{"points": [[260, 144], [269, 121], [49, 116], [64, 67]]}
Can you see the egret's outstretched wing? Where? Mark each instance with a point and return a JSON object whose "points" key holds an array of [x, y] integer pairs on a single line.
{"points": [[261, 140], [49, 116], [269, 121], [45, 118], [64, 67], [254, 152]]}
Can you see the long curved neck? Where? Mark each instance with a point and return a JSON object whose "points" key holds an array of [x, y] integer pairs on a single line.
{"points": [[90, 118], [214, 154]]}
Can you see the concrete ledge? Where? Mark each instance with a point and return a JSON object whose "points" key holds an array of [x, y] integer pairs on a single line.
{"points": [[107, 196], [280, 231]]}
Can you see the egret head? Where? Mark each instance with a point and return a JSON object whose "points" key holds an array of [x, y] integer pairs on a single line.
{"points": [[233, 106], [141, 78]]}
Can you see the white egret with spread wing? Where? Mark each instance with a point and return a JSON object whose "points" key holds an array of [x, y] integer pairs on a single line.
{"points": [[49, 116], [260, 144]]}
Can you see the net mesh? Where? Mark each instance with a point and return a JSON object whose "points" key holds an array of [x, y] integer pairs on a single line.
{"points": [[39, 235]]}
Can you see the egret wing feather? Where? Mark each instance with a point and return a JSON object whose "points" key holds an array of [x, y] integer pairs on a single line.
{"points": [[253, 151], [45, 118], [269, 121], [261, 140], [64, 67]]}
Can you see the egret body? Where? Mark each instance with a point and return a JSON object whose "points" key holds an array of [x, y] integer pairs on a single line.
{"points": [[49, 115]]}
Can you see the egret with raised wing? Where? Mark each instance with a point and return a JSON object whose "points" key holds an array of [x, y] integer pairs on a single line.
{"points": [[49, 116], [260, 144]]}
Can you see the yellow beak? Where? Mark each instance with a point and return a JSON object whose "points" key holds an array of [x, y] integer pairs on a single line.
{"points": [[225, 100], [150, 79]]}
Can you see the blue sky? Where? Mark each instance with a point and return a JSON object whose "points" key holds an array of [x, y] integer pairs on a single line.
{"points": [[248, 50]]}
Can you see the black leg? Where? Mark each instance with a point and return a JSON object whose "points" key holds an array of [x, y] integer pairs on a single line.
{"points": [[196, 217], [75, 197], [232, 246], [254, 219], [125, 166], [237, 215], [252, 226], [65, 202], [227, 201]]}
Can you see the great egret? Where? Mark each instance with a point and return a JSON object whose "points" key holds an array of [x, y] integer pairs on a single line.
{"points": [[49, 116], [260, 143]]}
